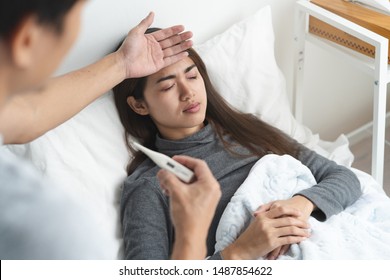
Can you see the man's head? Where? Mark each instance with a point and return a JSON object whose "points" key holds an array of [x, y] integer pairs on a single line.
{"points": [[35, 35]]}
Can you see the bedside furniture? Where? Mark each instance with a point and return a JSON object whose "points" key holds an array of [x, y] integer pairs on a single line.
{"points": [[377, 67]]}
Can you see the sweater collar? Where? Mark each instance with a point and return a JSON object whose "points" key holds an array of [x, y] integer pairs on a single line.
{"points": [[173, 147]]}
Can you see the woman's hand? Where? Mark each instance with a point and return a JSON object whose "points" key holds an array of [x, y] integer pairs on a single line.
{"points": [[192, 207], [270, 230], [144, 54], [301, 203]]}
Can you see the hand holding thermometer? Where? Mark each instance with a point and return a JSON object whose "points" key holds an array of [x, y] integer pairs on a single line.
{"points": [[167, 163]]}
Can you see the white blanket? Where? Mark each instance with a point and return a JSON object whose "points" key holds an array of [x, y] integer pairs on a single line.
{"points": [[362, 231]]}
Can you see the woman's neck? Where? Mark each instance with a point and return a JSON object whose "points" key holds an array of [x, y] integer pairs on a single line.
{"points": [[178, 134]]}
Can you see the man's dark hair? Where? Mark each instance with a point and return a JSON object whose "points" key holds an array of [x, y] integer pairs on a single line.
{"points": [[48, 12]]}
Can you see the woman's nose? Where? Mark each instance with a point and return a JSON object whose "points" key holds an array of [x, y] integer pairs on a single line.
{"points": [[186, 93]]}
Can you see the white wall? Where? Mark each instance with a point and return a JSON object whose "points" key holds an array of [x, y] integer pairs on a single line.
{"points": [[338, 98], [106, 21]]}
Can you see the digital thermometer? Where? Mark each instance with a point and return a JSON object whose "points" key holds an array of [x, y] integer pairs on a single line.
{"points": [[167, 163]]}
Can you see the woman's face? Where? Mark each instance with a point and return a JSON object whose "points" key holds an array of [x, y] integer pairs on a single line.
{"points": [[176, 100]]}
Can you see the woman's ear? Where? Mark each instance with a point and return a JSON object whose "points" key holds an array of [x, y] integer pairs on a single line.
{"points": [[137, 106]]}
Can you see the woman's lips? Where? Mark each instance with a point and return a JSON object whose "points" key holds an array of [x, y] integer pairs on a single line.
{"points": [[193, 108]]}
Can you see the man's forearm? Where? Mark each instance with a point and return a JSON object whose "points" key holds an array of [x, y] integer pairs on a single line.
{"points": [[29, 116]]}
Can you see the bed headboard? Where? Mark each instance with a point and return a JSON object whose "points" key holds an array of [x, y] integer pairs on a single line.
{"points": [[105, 22]]}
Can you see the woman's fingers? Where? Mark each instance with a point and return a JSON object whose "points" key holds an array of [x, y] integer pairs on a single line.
{"points": [[293, 231], [283, 226], [262, 208], [284, 249], [290, 221], [273, 255], [281, 211], [291, 239]]}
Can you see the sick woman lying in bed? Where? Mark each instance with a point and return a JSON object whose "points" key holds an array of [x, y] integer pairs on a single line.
{"points": [[176, 111]]}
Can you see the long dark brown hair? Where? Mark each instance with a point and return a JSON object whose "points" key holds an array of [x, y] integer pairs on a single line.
{"points": [[246, 129]]}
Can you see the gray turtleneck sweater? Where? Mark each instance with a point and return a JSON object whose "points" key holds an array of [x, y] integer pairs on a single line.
{"points": [[147, 229]]}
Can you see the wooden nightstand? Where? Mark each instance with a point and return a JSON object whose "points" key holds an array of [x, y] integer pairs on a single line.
{"points": [[377, 67]]}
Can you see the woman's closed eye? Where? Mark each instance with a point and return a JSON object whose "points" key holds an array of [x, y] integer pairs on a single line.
{"points": [[167, 87], [193, 77]]}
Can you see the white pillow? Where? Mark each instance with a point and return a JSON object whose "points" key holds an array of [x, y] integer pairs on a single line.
{"points": [[241, 63], [87, 154]]}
